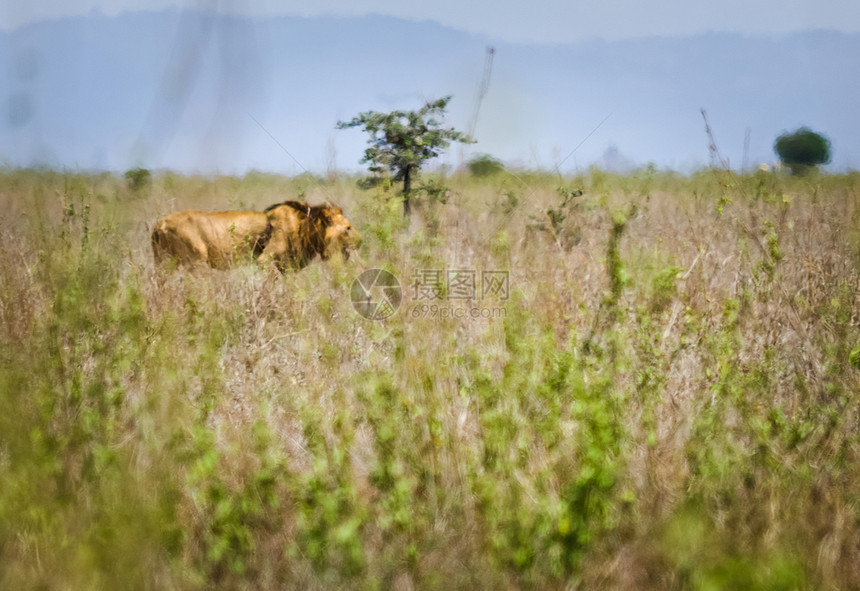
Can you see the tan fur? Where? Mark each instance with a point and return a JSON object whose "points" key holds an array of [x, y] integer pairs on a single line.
{"points": [[289, 234]]}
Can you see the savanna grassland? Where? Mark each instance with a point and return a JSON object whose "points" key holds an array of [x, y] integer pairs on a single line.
{"points": [[665, 396]]}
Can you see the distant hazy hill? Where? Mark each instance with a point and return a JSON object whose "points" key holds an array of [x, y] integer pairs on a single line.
{"points": [[183, 90]]}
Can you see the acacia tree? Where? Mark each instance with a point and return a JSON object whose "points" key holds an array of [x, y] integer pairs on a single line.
{"points": [[401, 141], [802, 150]]}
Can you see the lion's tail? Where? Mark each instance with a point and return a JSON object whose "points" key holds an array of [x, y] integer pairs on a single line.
{"points": [[159, 245]]}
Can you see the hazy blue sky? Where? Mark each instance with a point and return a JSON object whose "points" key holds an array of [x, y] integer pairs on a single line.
{"points": [[535, 21], [101, 84]]}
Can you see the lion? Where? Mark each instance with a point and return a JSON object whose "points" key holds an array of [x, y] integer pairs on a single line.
{"points": [[289, 235]]}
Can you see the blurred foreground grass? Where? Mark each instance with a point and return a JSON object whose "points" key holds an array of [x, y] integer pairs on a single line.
{"points": [[668, 398]]}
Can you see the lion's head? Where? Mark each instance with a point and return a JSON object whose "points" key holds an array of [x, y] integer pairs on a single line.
{"points": [[309, 230], [339, 234]]}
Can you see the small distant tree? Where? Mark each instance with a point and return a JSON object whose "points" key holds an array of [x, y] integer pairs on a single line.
{"points": [[401, 141], [802, 150], [485, 165], [138, 178]]}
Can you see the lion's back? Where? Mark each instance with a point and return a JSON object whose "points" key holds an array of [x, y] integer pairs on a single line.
{"points": [[214, 238]]}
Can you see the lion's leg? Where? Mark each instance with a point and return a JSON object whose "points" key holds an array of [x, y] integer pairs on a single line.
{"points": [[179, 247], [164, 245], [198, 252], [273, 253]]}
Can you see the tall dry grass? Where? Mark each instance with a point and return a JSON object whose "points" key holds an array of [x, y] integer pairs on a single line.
{"points": [[666, 399]]}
